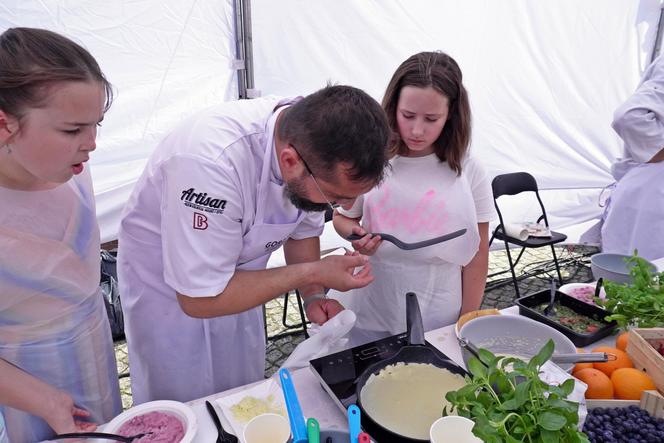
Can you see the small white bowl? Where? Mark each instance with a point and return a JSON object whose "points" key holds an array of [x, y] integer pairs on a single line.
{"points": [[267, 428], [453, 428], [180, 410], [577, 289]]}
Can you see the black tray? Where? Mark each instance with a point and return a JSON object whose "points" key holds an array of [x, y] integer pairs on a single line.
{"points": [[528, 303]]}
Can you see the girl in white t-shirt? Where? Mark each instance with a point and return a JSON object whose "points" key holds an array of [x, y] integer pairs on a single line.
{"points": [[57, 366], [433, 188]]}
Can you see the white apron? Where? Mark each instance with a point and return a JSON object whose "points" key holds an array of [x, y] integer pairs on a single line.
{"points": [[635, 216], [433, 273], [176, 357], [53, 322]]}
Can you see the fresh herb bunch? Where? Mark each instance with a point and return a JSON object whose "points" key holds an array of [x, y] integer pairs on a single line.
{"points": [[508, 401], [639, 304]]}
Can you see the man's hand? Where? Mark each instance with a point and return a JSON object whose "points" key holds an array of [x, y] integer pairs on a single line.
{"points": [[368, 244], [338, 271], [63, 416], [320, 311]]}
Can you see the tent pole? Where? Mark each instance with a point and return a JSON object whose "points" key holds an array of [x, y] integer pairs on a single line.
{"points": [[249, 50], [658, 38], [244, 63]]}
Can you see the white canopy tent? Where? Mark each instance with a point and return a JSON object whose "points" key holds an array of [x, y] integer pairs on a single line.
{"points": [[543, 77]]}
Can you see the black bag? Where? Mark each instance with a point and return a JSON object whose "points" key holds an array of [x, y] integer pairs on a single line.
{"points": [[111, 292]]}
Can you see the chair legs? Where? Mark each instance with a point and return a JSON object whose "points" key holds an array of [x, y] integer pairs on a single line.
{"points": [[284, 320], [509, 259], [555, 260], [303, 318], [514, 263]]}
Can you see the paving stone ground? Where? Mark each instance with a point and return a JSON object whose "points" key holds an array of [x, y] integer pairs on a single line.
{"points": [[536, 266]]}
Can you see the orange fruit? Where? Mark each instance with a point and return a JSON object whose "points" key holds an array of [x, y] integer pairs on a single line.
{"points": [[580, 366], [629, 383], [622, 360], [621, 341], [599, 385]]}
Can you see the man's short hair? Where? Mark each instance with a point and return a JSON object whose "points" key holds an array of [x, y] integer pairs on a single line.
{"points": [[339, 124]]}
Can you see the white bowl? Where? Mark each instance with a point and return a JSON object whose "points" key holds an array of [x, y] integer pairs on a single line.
{"points": [[267, 428], [514, 335], [612, 267], [453, 428], [180, 410], [582, 291]]}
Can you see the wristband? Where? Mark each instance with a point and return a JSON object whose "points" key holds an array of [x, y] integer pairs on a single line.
{"points": [[309, 299]]}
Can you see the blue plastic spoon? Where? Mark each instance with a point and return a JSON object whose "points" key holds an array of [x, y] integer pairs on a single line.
{"points": [[297, 423], [354, 423]]}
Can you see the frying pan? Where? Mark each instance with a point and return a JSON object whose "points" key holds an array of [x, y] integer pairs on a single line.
{"points": [[414, 352]]}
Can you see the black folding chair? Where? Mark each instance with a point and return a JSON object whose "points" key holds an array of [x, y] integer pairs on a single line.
{"points": [[513, 184], [290, 329]]}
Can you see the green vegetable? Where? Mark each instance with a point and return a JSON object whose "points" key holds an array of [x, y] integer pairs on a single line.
{"points": [[510, 403], [639, 304]]}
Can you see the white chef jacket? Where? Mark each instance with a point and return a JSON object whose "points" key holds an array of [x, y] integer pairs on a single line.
{"points": [[640, 121], [421, 198], [210, 201], [634, 214]]}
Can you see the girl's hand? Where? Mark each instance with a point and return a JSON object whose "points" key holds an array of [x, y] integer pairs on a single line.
{"points": [[368, 244], [64, 417]]}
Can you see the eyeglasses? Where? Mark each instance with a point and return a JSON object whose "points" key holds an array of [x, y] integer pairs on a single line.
{"points": [[332, 206]]}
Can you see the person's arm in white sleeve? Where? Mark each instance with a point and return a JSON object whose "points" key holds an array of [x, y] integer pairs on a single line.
{"points": [[473, 277], [346, 221], [20, 390], [474, 273], [639, 121], [248, 289]]}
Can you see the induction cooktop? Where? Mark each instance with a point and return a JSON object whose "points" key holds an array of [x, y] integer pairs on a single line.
{"points": [[339, 372]]}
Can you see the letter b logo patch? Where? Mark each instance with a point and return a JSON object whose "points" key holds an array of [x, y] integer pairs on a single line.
{"points": [[200, 221]]}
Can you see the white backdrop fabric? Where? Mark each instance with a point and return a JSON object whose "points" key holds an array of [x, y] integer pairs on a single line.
{"points": [[543, 77], [165, 58]]}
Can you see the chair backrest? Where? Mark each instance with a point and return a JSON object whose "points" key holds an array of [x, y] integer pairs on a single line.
{"points": [[512, 184]]}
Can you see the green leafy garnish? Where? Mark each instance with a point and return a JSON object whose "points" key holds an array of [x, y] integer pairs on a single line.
{"points": [[639, 304], [508, 401]]}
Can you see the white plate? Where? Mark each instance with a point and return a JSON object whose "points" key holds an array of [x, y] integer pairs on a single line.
{"points": [[180, 410], [268, 391]]}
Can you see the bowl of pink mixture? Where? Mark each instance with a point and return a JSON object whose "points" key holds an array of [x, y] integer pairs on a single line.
{"points": [[582, 291], [166, 421]]}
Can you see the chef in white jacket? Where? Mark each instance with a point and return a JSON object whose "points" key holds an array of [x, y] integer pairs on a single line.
{"points": [[218, 196], [633, 217]]}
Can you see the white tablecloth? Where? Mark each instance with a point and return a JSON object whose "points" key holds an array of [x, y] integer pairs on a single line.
{"points": [[317, 403]]}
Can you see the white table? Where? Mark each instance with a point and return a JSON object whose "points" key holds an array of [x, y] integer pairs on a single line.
{"points": [[317, 403]]}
